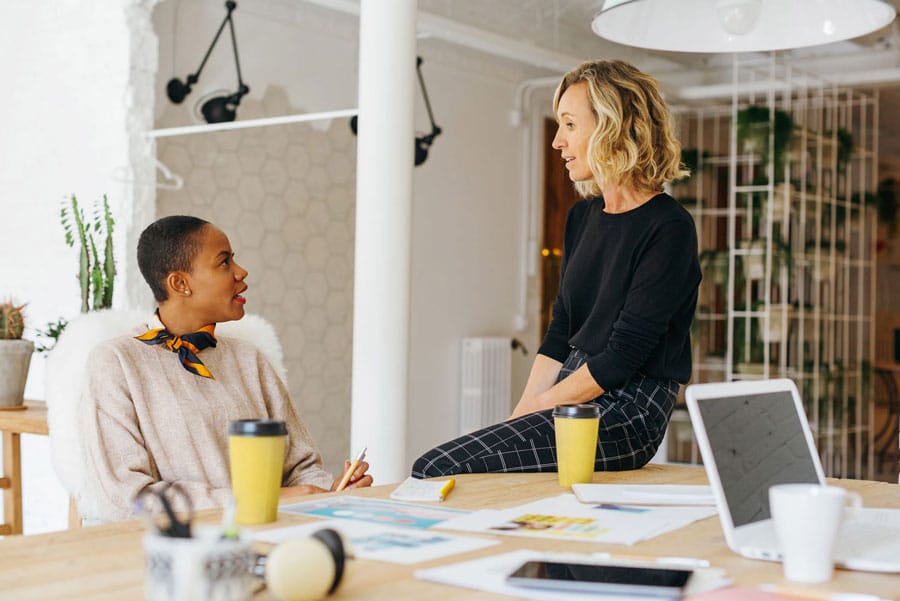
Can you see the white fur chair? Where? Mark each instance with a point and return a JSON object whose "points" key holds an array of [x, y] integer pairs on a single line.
{"points": [[65, 381]]}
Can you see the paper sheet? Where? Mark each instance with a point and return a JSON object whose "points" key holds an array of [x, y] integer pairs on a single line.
{"points": [[563, 517], [385, 513], [489, 574], [380, 543], [644, 494]]}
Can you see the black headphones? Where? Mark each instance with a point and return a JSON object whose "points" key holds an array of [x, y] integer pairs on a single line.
{"points": [[422, 143]]}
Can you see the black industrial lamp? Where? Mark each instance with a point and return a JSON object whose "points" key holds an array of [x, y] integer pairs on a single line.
{"points": [[422, 143], [219, 108]]}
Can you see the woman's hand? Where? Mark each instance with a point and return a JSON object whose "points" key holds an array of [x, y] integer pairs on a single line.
{"points": [[543, 375], [301, 489], [525, 406], [579, 387], [358, 479]]}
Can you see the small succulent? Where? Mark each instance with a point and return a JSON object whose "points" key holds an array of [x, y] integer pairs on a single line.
{"points": [[12, 320]]}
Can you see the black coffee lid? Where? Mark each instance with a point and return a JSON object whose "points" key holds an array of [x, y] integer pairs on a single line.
{"points": [[257, 427], [576, 411]]}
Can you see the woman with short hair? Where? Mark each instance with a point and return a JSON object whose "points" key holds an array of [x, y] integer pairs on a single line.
{"points": [[158, 401]]}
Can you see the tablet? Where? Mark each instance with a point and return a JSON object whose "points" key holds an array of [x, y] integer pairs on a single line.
{"points": [[665, 583]]}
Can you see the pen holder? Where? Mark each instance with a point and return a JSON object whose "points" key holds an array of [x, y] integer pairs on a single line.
{"points": [[202, 567]]}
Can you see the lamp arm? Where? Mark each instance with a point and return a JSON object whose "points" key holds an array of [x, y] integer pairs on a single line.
{"points": [[230, 6], [242, 89], [435, 130]]}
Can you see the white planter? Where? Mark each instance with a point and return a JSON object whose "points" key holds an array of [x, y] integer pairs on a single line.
{"points": [[781, 190], [821, 269], [755, 369], [754, 262], [775, 325], [15, 357]]}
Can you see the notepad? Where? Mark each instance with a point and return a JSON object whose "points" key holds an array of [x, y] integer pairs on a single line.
{"points": [[413, 489], [644, 494]]}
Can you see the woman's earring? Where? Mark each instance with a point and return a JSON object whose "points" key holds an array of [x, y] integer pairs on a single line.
{"points": [[187, 292]]}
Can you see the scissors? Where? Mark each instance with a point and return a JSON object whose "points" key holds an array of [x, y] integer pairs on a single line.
{"points": [[158, 506]]}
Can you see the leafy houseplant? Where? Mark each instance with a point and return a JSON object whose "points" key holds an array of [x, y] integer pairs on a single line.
{"points": [[887, 204], [753, 125], [15, 354], [95, 277], [49, 336], [844, 149], [693, 161]]}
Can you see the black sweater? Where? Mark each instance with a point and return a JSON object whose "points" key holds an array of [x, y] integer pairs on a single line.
{"points": [[628, 291]]}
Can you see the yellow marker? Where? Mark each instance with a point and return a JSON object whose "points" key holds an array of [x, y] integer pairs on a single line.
{"points": [[445, 490]]}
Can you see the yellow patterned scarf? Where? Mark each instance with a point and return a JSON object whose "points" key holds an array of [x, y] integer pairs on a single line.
{"points": [[187, 347]]}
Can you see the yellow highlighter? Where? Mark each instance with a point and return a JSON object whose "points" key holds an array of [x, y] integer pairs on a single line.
{"points": [[446, 488]]}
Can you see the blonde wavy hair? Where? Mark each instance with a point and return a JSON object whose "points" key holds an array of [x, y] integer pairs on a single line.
{"points": [[633, 144]]}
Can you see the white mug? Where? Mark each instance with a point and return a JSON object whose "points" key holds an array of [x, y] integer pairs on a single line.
{"points": [[807, 520]]}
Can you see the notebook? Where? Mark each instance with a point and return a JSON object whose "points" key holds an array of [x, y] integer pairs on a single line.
{"points": [[753, 435]]}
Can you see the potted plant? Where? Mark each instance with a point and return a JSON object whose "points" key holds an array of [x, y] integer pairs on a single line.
{"points": [[753, 125], [845, 149], [694, 161], [886, 204], [15, 355]]}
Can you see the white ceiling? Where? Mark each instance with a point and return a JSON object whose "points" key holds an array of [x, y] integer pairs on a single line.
{"points": [[551, 35], [563, 26]]}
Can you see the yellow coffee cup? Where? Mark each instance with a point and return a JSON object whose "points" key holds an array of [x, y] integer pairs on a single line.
{"points": [[256, 451], [576, 442]]}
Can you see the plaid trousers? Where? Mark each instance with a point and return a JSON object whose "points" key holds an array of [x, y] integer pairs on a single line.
{"points": [[633, 420]]}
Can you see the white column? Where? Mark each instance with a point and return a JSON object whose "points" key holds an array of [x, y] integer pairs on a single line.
{"points": [[387, 61]]}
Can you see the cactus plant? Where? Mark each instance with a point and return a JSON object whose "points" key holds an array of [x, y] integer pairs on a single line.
{"points": [[12, 320], [15, 355], [95, 277]]}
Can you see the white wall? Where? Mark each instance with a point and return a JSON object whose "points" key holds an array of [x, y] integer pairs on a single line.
{"points": [[466, 235], [72, 110], [66, 132], [77, 104]]}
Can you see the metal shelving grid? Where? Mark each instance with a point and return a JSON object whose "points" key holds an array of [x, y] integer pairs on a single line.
{"points": [[787, 249]]}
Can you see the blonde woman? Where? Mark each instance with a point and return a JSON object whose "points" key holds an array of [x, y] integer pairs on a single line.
{"points": [[620, 333]]}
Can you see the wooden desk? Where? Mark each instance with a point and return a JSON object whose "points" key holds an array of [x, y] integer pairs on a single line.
{"points": [[31, 420], [106, 562]]}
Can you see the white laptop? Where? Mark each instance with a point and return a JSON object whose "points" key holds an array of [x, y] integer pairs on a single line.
{"points": [[754, 434]]}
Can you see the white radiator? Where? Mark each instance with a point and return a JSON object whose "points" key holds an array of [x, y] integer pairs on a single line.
{"points": [[484, 390]]}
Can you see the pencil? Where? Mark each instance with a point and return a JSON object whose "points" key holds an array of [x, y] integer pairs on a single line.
{"points": [[353, 465], [446, 488]]}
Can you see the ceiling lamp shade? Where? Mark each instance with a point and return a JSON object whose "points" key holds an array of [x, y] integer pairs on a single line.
{"points": [[738, 25]]}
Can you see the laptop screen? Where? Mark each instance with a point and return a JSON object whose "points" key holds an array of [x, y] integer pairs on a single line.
{"points": [[757, 441]]}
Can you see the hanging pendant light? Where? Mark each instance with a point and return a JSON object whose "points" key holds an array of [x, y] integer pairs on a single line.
{"points": [[738, 25]]}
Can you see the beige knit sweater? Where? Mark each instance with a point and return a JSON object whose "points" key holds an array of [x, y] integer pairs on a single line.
{"points": [[145, 420]]}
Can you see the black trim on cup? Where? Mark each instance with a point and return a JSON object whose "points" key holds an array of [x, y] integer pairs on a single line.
{"points": [[257, 427], [577, 411]]}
